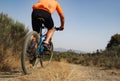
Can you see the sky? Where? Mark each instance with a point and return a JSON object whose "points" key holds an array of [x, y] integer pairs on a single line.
{"points": [[89, 24]]}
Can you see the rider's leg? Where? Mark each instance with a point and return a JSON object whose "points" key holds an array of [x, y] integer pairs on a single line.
{"points": [[35, 40], [49, 35]]}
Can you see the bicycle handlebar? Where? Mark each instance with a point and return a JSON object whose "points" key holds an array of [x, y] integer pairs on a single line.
{"points": [[57, 29]]}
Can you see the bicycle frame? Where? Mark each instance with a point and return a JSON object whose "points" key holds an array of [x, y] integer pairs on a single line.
{"points": [[42, 37]]}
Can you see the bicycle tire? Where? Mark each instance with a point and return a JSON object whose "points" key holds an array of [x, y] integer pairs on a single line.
{"points": [[26, 66], [46, 57]]}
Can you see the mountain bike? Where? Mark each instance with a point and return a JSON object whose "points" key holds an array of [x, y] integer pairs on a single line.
{"points": [[40, 55]]}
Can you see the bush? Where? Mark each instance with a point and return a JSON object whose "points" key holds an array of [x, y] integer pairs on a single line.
{"points": [[107, 58], [11, 34]]}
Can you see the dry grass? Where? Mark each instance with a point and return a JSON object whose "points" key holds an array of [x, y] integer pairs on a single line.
{"points": [[59, 71], [56, 71], [9, 60]]}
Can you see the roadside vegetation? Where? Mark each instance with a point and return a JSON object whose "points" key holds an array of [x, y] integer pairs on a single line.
{"points": [[11, 40], [108, 58]]}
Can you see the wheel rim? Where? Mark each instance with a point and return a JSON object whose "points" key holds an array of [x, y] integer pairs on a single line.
{"points": [[25, 59], [46, 57]]}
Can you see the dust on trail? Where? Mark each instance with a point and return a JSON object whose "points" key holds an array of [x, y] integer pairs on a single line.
{"points": [[59, 71]]}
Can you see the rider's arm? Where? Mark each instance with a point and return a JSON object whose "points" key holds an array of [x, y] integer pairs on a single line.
{"points": [[59, 10]]}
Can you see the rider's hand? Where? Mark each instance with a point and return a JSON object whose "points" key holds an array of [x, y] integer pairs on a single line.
{"points": [[61, 28]]}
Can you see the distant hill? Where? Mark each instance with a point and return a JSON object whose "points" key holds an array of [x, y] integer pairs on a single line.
{"points": [[65, 50], [60, 49]]}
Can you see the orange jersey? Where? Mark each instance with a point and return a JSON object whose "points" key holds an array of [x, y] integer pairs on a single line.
{"points": [[48, 5]]}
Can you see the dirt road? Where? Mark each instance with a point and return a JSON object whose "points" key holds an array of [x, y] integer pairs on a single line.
{"points": [[59, 71]]}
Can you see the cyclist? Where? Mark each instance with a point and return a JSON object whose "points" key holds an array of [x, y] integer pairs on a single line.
{"points": [[44, 9]]}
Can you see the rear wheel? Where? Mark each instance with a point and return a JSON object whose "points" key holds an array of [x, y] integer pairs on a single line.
{"points": [[26, 56], [46, 57]]}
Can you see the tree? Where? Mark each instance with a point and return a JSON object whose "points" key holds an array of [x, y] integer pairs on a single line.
{"points": [[114, 41], [10, 31]]}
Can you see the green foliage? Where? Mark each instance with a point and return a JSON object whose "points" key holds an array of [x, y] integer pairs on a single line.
{"points": [[114, 41], [109, 58], [10, 31], [11, 34]]}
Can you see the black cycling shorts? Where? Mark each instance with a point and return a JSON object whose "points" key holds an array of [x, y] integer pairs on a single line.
{"points": [[36, 24]]}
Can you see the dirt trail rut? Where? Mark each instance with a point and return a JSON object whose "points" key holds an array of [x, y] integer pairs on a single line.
{"points": [[59, 71]]}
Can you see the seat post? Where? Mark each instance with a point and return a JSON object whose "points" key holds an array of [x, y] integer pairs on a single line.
{"points": [[42, 20], [40, 31]]}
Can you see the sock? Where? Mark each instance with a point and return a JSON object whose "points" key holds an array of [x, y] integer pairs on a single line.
{"points": [[45, 42]]}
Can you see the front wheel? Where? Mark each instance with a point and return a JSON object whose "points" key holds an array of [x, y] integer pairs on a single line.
{"points": [[46, 57], [26, 64]]}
